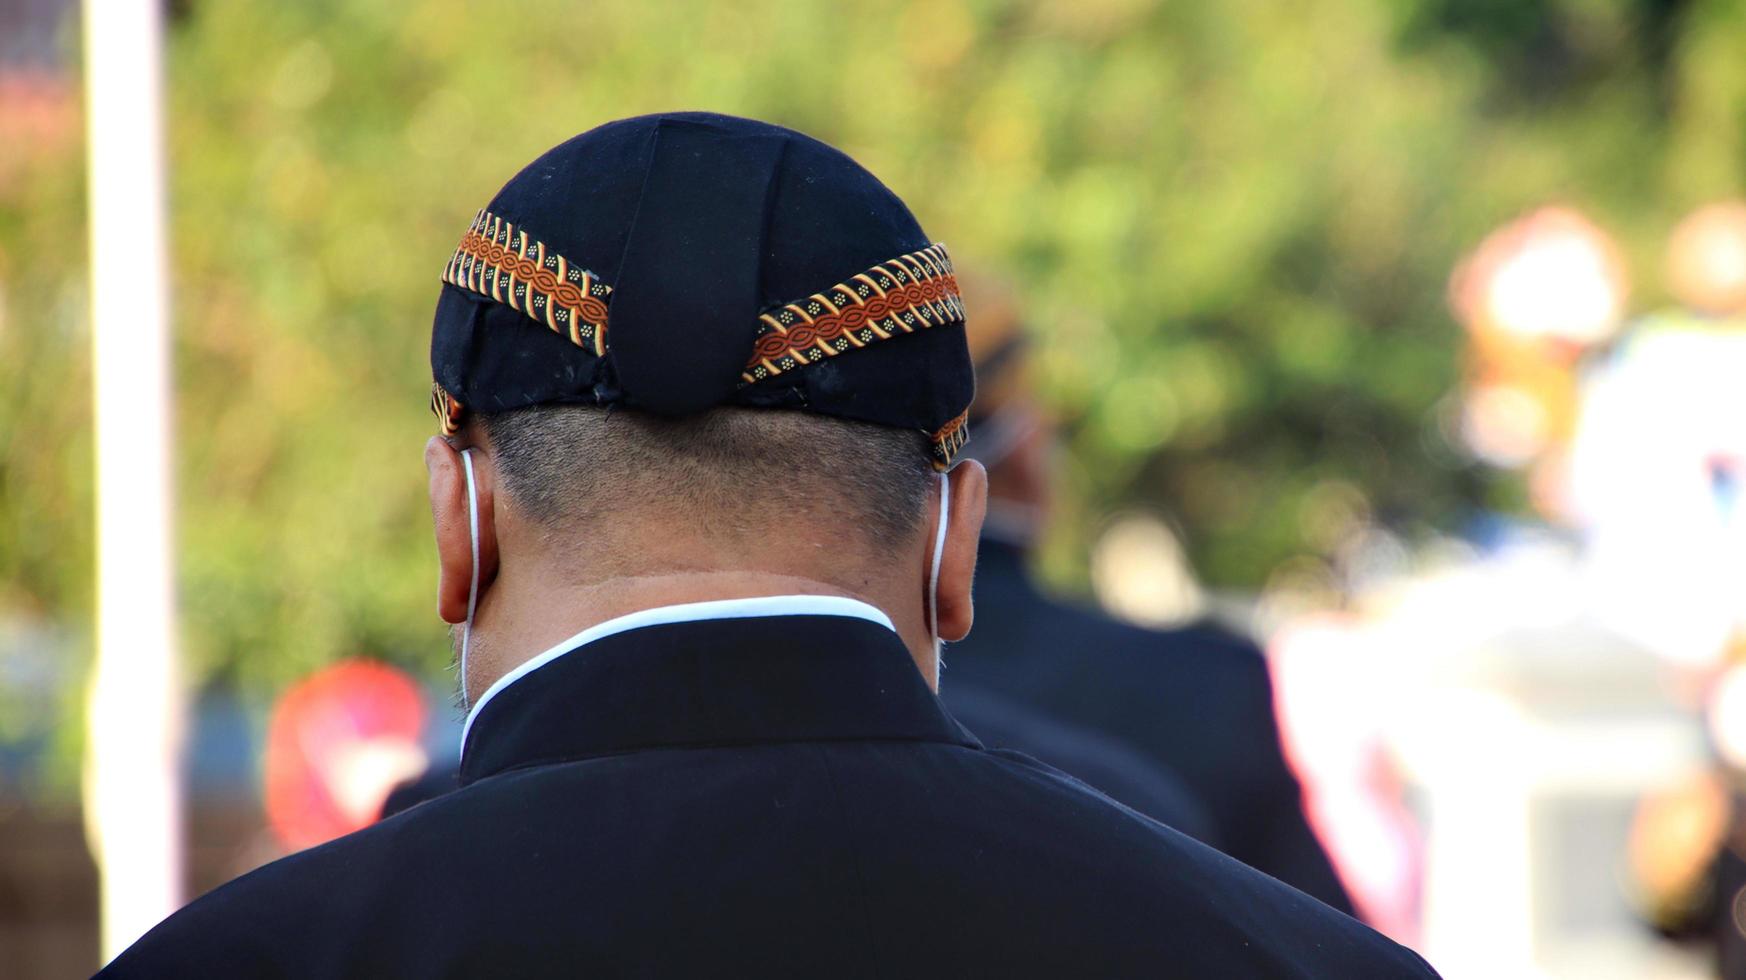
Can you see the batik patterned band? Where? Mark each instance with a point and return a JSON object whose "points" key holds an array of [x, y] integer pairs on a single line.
{"points": [[944, 444], [909, 293], [449, 412], [903, 295], [498, 260]]}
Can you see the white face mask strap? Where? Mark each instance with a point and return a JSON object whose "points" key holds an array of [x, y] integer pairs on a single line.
{"points": [[473, 584], [934, 571]]}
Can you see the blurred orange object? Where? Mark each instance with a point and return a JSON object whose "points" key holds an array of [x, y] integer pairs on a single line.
{"points": [[1675, 835], [1535, 295], [1706, 259], [337, 743]]}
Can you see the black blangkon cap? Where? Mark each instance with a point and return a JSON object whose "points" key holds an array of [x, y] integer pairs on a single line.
{"points": [[679, 262]]}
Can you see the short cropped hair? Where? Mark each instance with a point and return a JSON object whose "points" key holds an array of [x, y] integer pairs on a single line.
{"points": [[742, 471]]}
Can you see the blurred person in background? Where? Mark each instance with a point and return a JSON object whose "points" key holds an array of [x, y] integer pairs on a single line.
{"points": [[735, 763], [1539, 298], [1659, 466], [1659, 456], [1104, 762], [338, 743], [1197, 702]]}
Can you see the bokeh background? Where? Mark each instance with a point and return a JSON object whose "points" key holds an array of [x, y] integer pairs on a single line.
{"points": [[1233, 225]]}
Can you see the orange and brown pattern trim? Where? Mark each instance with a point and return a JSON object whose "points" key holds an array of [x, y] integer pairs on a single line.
{"points": [[906, 294], [909, 293], [944, 444], [449, 412], [499, 260]]}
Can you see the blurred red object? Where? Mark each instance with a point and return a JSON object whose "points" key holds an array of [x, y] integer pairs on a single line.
{"points": [[337, 743]]}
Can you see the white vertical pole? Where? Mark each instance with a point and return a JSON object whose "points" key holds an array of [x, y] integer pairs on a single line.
{"points": [[132, 776]]}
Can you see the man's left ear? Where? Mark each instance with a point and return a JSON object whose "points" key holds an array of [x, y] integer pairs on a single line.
{"points": [[958, 561]]}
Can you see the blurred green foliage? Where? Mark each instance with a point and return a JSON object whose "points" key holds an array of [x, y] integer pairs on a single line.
{"points": [[1233, 223]]}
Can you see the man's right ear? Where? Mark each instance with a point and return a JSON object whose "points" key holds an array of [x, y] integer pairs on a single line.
{"points": [[450, 519]]}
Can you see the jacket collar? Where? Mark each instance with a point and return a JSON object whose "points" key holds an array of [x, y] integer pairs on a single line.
{"points": [[784, 668]]}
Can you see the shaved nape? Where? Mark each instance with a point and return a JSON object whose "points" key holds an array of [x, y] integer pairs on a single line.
{"points": [[729, 473]]}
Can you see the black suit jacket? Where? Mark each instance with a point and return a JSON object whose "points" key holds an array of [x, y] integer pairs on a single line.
{"points": [[1106, 764], [1102, 762], [1196, 701], [770, 797]]}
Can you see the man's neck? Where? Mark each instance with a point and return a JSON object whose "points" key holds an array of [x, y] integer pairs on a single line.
{"points": [[518, 620]]}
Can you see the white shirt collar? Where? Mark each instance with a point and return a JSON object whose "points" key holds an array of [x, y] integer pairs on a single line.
{"points": [[689, 612]]}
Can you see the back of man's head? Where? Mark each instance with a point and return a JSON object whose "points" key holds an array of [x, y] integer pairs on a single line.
{"points": [[688, 357], [613, 492]]}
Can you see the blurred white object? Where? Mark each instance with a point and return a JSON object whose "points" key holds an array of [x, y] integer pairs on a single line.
{"points": [[1329, 683], [365, 772], [133, 805], [1504, 425], [1727, 717], [1141, 573], [1558, 284], [1658, 467], [1550, 275], [1528, 732]]}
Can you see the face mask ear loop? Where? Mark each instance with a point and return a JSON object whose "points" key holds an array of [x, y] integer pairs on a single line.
{"points": [[934, 572], [473, 584]]}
